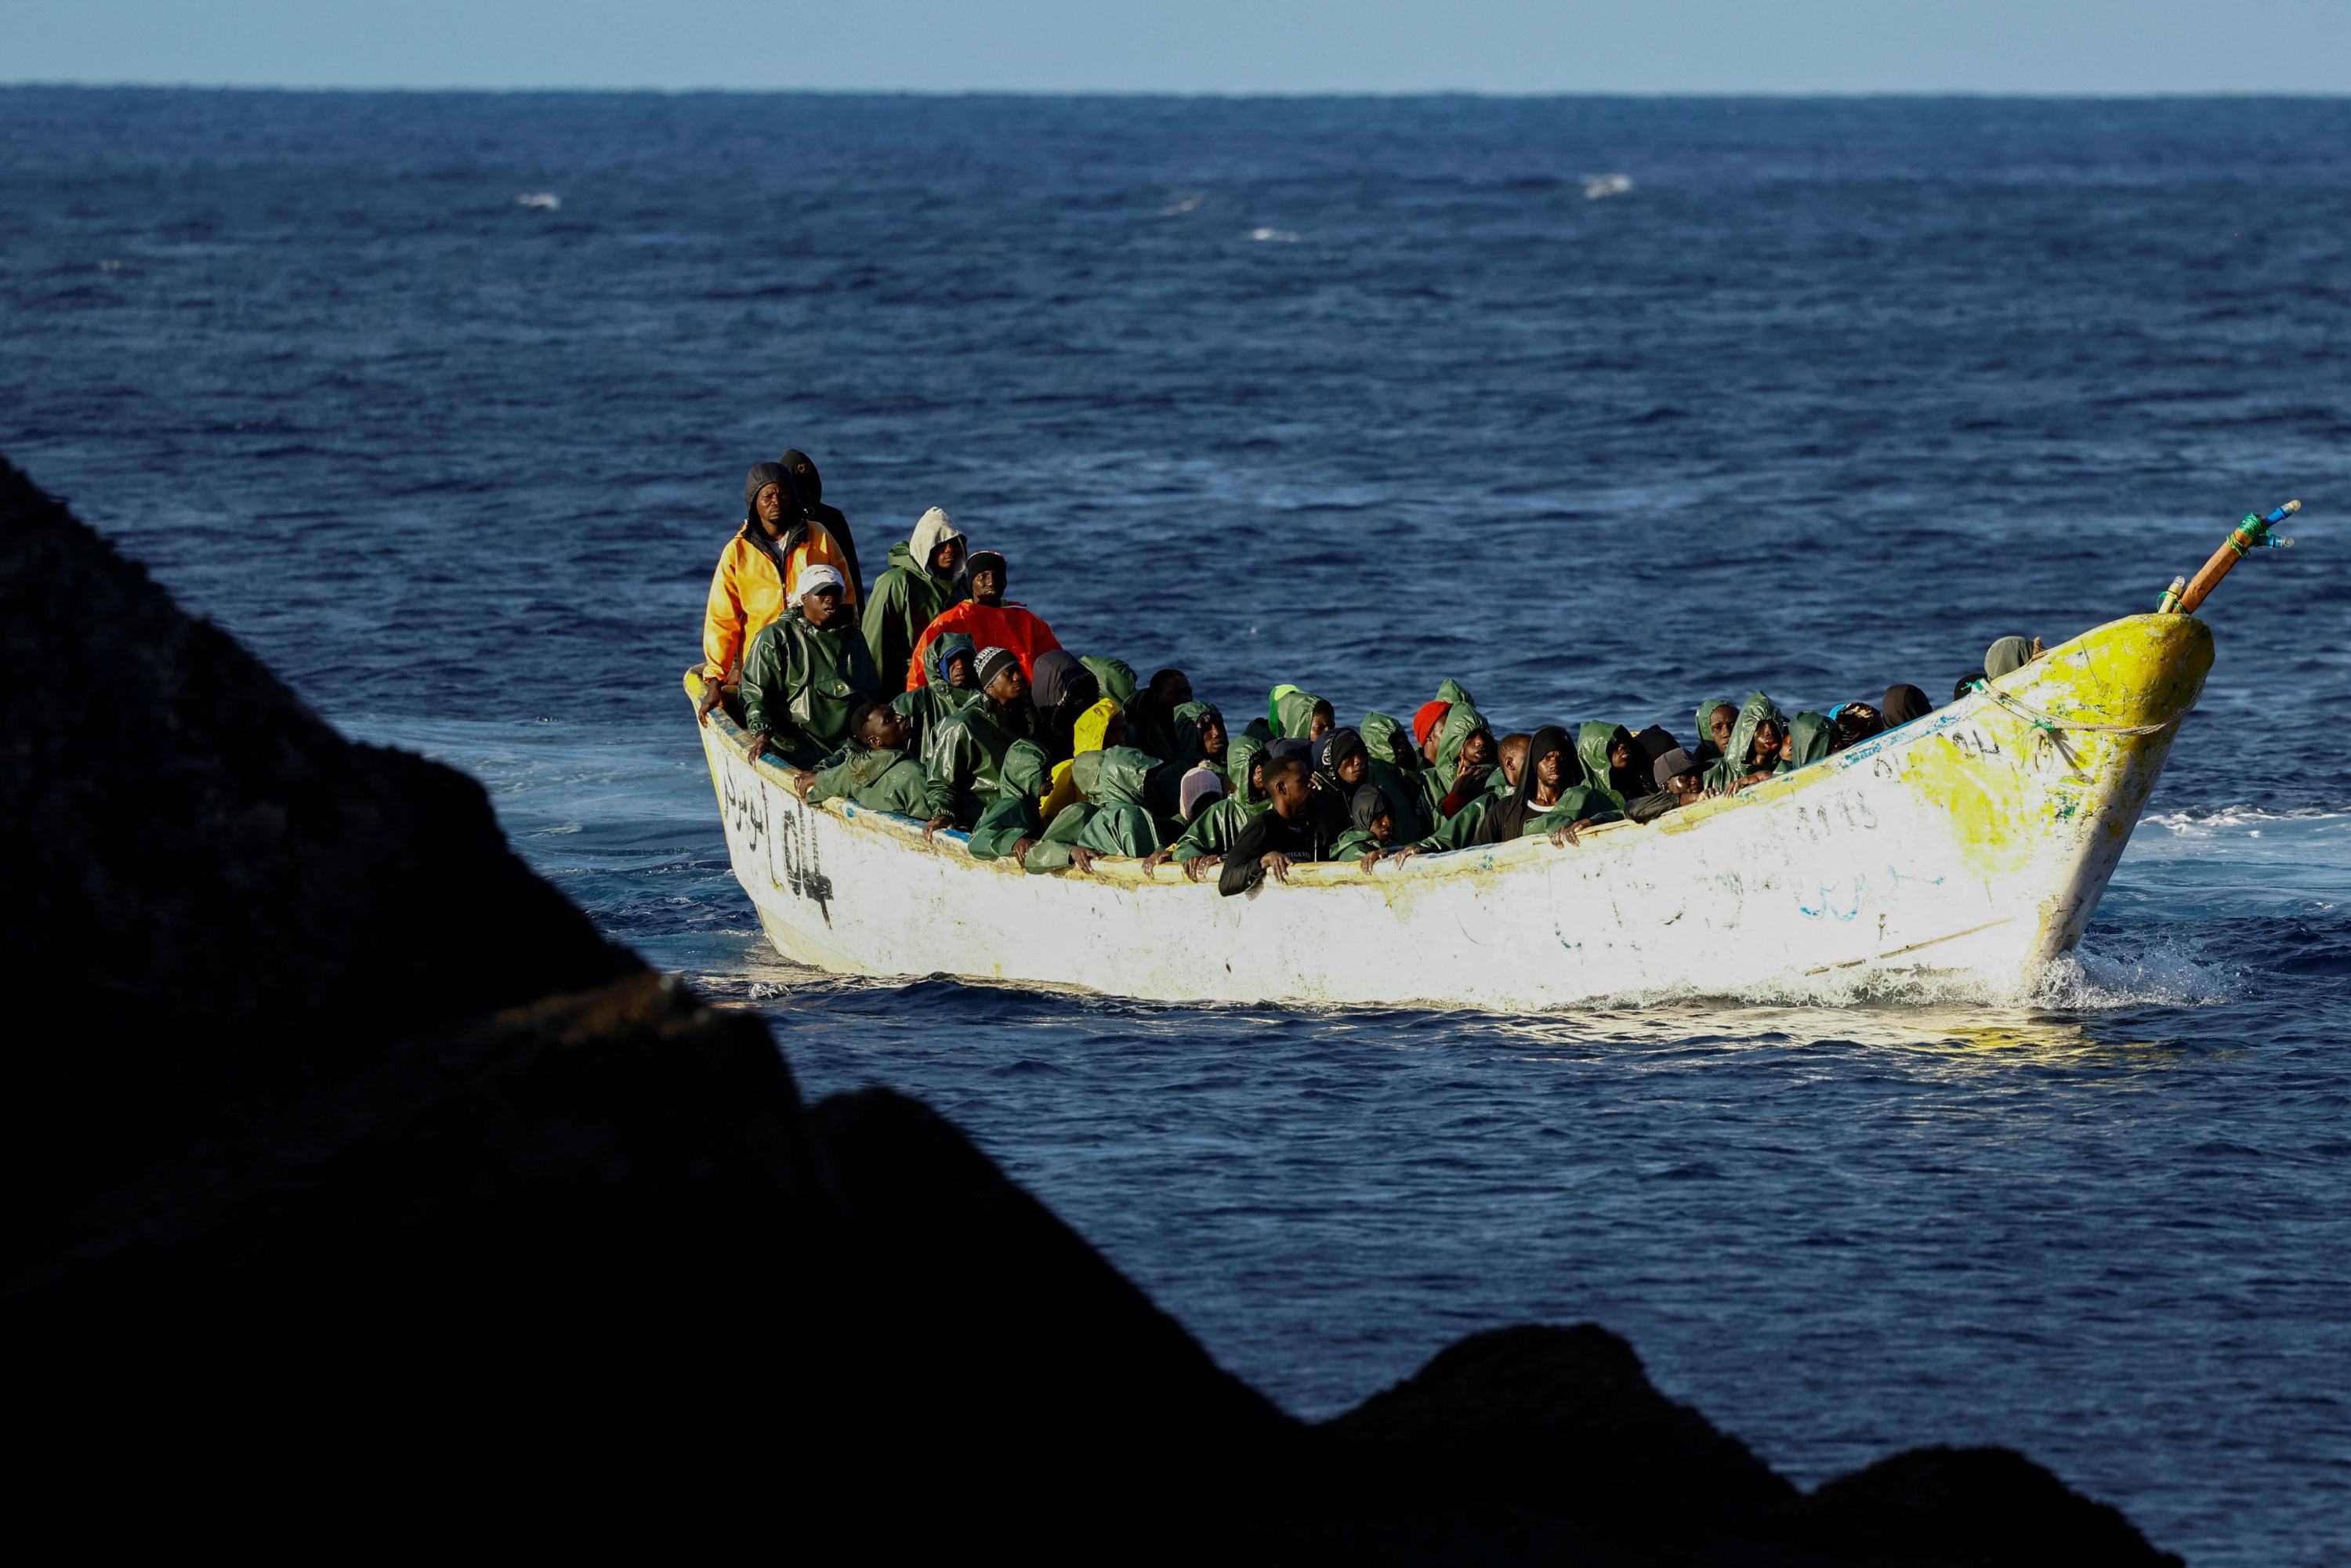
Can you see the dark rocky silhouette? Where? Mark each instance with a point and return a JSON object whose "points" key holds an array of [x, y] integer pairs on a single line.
{"points": [[362, 1195]]}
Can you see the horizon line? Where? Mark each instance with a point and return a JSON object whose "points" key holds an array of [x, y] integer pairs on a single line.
{"points": [[1729, 94]]}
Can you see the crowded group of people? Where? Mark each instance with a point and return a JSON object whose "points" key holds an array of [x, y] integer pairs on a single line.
{"points": [[935, 696]]}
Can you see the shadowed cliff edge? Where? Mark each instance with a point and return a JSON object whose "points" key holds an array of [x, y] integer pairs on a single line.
{"points": [[361, 1193]]}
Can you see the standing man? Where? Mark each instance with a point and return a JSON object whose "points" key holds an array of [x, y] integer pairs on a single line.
{"points": [[991, 620], [810, 486], [807, 674], [921, 583], [775, 542]]}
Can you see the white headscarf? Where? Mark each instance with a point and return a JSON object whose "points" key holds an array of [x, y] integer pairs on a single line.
{"points": [[934, 529]]}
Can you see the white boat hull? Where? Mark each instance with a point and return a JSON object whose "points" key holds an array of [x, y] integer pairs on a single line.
{"points": [[1966, 850]]}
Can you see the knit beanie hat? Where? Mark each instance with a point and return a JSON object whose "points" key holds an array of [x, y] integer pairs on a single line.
{"points": [[992, 663], [763, 474], [1426, 720]]}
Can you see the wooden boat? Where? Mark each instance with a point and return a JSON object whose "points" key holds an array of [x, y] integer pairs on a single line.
{"points": [[1964, 851]]}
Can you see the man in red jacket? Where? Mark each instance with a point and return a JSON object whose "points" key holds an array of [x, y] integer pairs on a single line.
{"points": [[989, 622]]}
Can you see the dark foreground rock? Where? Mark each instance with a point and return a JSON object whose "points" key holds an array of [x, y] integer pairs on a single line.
{"points": [[361, 1194]]}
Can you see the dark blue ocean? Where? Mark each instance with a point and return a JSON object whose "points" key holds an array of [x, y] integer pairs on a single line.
{"points": [[1361, 394]]}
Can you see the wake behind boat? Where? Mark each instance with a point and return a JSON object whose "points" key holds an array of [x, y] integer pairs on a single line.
{"points": [[1967, 849]]}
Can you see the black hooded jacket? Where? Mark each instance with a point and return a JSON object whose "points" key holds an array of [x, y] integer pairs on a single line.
{"points": [[1902, 704], [1329, 799], [1062, 689], [776, 550], [807, 486]]}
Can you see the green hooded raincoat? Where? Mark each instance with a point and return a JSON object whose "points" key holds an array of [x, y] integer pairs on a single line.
{"points": [[1727, 770], [1213, 831], [1436, 783], [963, 765], [908, 597], [1811, 732], [801, 685], [1013, 815], [1114, 782], [1291, 712], [880, 780], [1592, 750], [929, 706]]}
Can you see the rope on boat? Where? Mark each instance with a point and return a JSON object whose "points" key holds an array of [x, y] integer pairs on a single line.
{"points": [[2051, 732]]}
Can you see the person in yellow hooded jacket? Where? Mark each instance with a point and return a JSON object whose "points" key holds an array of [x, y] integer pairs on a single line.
{"points": [[1100, 727], [777, 542]]}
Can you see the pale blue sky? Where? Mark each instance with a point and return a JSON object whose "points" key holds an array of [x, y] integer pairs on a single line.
{"points": [[1202, 46]]}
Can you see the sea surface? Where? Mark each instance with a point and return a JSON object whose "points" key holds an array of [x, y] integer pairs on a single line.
{"points": [[443, 403]]}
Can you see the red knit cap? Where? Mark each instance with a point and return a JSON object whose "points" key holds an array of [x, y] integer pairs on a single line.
{"points": [[1424, 722]]}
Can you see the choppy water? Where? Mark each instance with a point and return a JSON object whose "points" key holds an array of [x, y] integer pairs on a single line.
{"points": [[1361, 394]]}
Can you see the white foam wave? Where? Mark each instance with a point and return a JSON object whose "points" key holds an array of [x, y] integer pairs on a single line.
{"points": [[1184, 204], [540, 201], [2205, 821], [2178, 969], [1277, 236], [1597, 187]]}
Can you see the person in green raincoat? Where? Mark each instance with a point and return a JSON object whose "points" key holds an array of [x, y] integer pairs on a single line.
{"points": [[1151, 713], [1464, 756], [1296, 715], [1112, 781], [1716, 717], [1201, 737], [919, 584], [1809, 734], [1373, 828], [1460, 830], [1753, 753], [1111, 818], [963, 767], [1212, 832], [1388, 741], [951, 663], [1551, 797], [1610, 762], [1395, 770], [2010, 655], [1115, 677], [875, 772], [805, 673], [1010, 828]]}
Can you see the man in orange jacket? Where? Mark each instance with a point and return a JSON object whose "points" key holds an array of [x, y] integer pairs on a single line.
{"points": [[777, 540], [988, 619]]}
